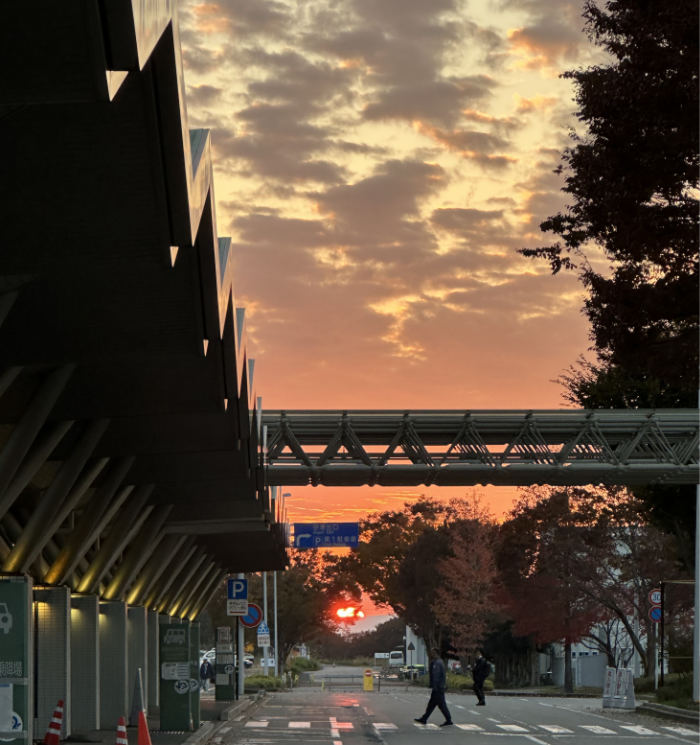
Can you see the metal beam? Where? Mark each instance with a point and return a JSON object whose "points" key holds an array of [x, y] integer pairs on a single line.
{"points": [[41, 525], [171, 603], [165, 552], [204, 596], [451, 448], [140, 550], [155, 598], [121, 533], [34, 417], [184, 600], [98, 512], [31, 464]]}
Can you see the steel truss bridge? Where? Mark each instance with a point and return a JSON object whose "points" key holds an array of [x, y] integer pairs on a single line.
{"points": [[450, 448]]}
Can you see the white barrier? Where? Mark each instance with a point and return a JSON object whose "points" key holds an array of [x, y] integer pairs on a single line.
{"points": [[618, 689]]}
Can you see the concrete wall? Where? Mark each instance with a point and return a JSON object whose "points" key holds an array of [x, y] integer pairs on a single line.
{"points": [[85, 663], [53, 663], [114, 683]]}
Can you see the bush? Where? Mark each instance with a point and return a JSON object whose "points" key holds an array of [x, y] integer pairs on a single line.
{"points": [[263, 683], [302, 664]]}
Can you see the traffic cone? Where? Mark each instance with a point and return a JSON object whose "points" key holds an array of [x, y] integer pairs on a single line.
{"points": [[53, 733], [144, 734], [121, 732]]}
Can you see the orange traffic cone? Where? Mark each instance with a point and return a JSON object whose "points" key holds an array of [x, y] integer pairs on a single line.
{"points": [[121, 732], [144, 734], [53, 733]]}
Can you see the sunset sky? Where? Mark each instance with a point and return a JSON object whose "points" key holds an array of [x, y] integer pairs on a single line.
{"points": [[377, 164]]}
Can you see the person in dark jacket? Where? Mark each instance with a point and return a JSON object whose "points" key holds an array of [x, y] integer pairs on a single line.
{"points": [[206, 672], [480, 671], [438, 683]]}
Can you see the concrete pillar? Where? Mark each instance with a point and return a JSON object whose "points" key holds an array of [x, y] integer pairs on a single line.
{"points": [[138, 652], [85, 662], [114, 672], [153, 659], [53, 663]]}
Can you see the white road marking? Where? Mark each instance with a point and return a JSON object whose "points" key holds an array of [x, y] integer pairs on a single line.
{"points": [[532, 738], [681, 731], [299, 725], [638, 729], [512, 728], [495, 721], [470, 727], [384, 725], [224, 729], [597, 729], [256, 724], [555, 729]]}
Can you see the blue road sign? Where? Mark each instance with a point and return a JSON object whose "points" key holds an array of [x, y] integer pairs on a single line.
{"points": [[238, 589], [655, 613], [326, 535], [253, 617]]}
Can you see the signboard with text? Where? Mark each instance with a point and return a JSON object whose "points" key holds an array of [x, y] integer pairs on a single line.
{"points": [[176, 677], [16, 668], [326, 535], [237, 598]]}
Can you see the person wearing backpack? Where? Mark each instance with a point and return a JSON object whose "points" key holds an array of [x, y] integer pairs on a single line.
{"points": [[480, 671]]}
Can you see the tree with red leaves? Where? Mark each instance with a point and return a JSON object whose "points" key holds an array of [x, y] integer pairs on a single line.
{"points": [[465, 597]]}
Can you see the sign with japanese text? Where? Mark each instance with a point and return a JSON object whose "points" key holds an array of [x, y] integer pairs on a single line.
{"points": [[16, 703], [326, 535]]}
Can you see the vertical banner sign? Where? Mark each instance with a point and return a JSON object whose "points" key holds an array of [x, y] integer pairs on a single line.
{"points": [[225, 670], [176, 681], [16, 667], [194, 674]]}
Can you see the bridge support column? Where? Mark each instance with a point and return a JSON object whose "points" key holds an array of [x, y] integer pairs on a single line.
{"points": [[153, 652], [85, 662], [138, 652], [53, 657], [114, 684]]}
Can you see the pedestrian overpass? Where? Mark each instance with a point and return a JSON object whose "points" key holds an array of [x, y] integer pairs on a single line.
{"points": [[133, 472]]}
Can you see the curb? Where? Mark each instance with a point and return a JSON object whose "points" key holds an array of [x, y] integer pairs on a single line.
{"points": [[241, 706], [670, 712]]}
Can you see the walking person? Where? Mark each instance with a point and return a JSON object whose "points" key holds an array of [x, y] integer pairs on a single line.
{"points": [[206, 672], [438, 683], [480, 671]]}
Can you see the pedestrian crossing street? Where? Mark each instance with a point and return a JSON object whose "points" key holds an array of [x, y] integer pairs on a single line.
{"points": [[336, 728]]}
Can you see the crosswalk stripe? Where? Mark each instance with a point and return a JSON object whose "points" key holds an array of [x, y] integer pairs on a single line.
{"points": [[638, 729], [384, 725], [555, 729], [299, 725], [596, 729], [256, 724], [512, 727], [681, 730], [470, 727]]}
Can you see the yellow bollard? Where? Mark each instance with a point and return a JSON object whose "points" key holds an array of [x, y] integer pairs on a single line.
{"points": [[368, 682]]}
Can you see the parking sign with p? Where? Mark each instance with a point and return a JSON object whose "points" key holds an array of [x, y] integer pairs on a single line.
{"points": [[237, 597]]}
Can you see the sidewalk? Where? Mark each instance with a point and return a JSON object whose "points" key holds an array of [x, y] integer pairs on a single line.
{"points": [[211, 711]]}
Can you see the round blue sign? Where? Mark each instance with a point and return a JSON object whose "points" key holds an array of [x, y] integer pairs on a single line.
{"points": [[655, 613], [253, 617]]}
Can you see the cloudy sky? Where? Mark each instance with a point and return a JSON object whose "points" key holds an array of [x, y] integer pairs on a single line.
{"points": [[377, 164]]}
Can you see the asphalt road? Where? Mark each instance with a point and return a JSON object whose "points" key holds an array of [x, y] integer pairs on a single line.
{"points": [[342, 714]]}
